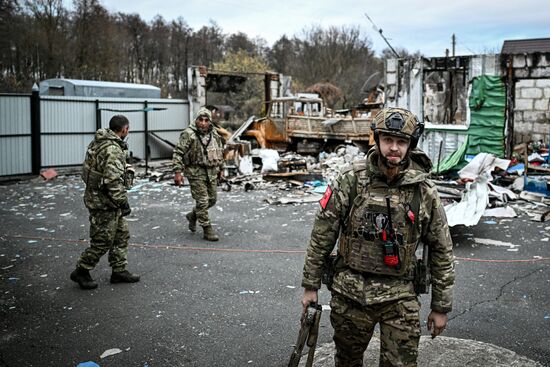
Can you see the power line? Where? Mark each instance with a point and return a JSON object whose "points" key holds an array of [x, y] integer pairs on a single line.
{"points": [[464, 45], [379, 30]]}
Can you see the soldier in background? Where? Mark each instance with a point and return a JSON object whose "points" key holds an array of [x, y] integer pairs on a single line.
{"points": [[105, 175], [199, 155], [379, 211]]}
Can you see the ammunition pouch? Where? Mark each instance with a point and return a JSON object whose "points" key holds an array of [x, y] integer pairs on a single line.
{"points": [[367, 256], [93, 179]]}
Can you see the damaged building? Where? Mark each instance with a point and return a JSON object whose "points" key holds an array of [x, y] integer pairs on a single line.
{"points": [[494, 101]]}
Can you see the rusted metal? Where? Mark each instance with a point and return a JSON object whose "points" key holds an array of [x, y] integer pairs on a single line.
{"points": [[301, 120]]}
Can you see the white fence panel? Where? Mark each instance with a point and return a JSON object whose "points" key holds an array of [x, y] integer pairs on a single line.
{"points": [[15, 135]]}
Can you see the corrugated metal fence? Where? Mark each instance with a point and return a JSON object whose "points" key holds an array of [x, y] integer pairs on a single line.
{"points": [[15, 134], [64, 126]]}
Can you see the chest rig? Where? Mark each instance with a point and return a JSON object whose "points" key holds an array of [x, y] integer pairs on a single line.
{"points": [[381, 232], [204, 151]]}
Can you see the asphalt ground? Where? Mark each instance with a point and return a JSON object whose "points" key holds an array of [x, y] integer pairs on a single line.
{"points": [[229, 303]]}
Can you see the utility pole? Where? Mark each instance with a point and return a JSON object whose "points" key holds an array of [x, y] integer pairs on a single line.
{"points": [[453, 38]]}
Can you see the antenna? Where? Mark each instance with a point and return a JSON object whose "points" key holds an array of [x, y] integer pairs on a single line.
{"points": [[379, 30]]}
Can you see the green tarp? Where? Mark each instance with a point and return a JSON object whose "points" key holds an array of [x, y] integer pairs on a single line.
{"points": [[487, 116], [487, 119]]}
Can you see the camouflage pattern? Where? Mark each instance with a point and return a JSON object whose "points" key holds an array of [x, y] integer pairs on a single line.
{"points": [[104, 172], [354, 325], [204, 192], [200, 157], [434, 231], [377, 295], [109, 233]]}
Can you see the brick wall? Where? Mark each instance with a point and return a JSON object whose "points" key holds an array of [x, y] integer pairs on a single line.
{"points": [[532, 110]]}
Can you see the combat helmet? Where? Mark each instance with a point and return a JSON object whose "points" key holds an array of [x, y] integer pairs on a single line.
{"points": [[397, 122]]}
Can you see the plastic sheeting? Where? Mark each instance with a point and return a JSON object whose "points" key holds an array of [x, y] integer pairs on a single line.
{"points": [[475, 197], [472, 205]]}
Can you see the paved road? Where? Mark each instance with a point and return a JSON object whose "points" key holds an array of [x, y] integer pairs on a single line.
{"points": [[231, 303]]}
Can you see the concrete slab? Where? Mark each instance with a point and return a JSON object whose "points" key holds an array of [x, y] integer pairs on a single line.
{"points": [[442, 351]]}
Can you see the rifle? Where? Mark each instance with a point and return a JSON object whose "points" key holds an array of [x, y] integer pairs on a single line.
{"points": [[309, 332]]}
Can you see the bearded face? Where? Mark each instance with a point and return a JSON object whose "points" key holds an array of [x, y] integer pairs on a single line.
{"points": [[393, 149]]}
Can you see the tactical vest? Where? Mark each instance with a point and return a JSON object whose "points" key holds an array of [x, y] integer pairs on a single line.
{"points": [[91, 176], [363, 242], [199, 154]]}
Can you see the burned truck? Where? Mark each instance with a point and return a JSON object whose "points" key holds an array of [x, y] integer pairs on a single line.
{"points": [[299, 123], [304, 125]]}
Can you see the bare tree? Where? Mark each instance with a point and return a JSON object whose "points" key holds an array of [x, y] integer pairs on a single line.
{"points": [[207, 44], [240, 41], [341, 56], [92, 57], [180, 35], [50, 34], [156, 53]]}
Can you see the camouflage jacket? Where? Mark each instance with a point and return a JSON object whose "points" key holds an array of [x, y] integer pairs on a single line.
{"points": [[103, 171], [190, 155], [367, 288]]}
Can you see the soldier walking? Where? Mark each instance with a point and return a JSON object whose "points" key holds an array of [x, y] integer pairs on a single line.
{"points": [[378, 212], [104, 172], [199, 154]]}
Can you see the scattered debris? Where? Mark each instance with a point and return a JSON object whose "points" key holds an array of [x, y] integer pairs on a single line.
{"points": [[48, 174], [110, 352]]}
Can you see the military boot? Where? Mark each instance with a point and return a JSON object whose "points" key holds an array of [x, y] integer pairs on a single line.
{"points": [[209, 234], [83, 278], [192, 218], [124, 277]]}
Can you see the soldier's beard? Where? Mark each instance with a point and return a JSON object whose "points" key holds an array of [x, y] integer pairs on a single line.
{"points": [[390, 169], [389, 164]]}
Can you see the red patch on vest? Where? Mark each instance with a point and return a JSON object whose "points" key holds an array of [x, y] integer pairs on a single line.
{"points": [[326, 197]]}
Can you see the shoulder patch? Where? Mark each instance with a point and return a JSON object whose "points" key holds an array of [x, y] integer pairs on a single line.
{"points": [[326, 197]]}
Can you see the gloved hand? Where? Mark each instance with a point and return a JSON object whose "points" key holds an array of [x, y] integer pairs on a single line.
{"points": [[126, 209], [178, 179], [221, 176]]}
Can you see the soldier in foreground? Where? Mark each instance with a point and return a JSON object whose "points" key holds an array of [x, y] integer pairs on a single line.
{"points": [[378, 212], [199, 154], [105, 175]]}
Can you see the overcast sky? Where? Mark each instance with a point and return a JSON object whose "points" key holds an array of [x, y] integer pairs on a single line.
{"points": [[426, 25]]}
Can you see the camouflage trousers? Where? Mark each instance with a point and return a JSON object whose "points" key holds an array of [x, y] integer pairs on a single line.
{"points": [[109, 233], [205, 194], [354, 325]]}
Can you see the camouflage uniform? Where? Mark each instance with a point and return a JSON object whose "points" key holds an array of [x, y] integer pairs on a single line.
{"points": [[365, 290], [200, 157], [105, 196]]}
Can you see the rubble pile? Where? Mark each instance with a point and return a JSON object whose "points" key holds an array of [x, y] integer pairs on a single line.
{"points": [[486, 187]]}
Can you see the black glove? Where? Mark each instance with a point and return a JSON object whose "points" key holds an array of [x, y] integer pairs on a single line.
{"points": [[125, 209]]}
